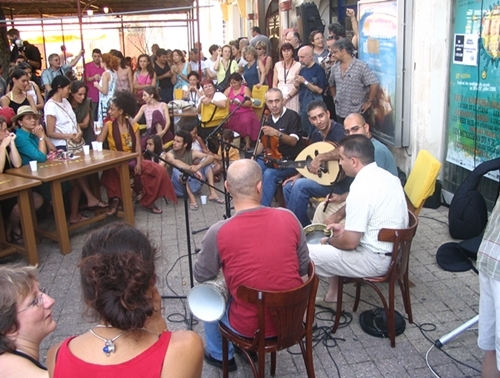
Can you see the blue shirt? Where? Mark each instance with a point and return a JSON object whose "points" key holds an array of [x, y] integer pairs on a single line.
{"points": [[335, 134], [315, 75], [27, 145], [384, 158]]}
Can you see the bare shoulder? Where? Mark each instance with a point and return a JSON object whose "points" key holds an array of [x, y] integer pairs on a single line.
{"points": [[184, 358], [51, 357], [12, 366]]}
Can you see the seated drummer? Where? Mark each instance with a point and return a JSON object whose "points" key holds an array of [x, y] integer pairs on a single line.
{"points": [[335, 211], [297, 189], [285, 125], [235, 245], [376, 200]]}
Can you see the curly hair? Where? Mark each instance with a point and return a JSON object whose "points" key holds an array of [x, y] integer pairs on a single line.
{"points": [[117, 271], [111, 61], [126, 101], [16, 282]]}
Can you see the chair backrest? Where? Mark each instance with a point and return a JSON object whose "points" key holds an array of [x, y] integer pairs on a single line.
{"points": [[422, 180], [286, 308], [401, 239]]}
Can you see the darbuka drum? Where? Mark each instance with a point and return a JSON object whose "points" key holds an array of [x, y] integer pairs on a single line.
{"points": [[208, 300], [315, 232]]}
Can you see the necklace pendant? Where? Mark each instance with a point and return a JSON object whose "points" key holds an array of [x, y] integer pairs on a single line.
{"points": [[109, 347]]}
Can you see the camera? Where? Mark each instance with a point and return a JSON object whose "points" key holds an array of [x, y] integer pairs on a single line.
{"points": [[19, 44]]}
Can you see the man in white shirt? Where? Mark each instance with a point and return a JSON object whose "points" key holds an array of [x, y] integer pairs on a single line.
{"points": [[376, 200], [196, 64]]}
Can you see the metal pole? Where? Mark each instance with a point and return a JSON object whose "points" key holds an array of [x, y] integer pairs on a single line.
{"points": [[44, 46], [80, 22]]}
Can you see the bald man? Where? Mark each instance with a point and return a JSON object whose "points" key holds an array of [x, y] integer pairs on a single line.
{"points": [[310, 83], [249, 246]]}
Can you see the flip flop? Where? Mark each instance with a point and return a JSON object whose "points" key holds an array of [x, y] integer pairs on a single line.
{"points": [[217, 200], [100, 205], [193, 206], [321, 303], [80, 219]]}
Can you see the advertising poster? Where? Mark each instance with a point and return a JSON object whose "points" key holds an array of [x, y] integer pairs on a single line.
{"points": [[474, 99], [377, 47]]}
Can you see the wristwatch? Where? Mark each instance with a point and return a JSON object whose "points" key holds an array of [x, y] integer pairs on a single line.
{"points": [[306, 82]]}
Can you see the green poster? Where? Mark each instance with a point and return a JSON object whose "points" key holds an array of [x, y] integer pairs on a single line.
{"points": [[474, 99]]}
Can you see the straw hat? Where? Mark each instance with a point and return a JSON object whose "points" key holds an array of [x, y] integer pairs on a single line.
{"points": [[24, 110]]}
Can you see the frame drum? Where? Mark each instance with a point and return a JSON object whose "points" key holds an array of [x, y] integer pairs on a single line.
{"points": [[208, 300], [315, 232]]}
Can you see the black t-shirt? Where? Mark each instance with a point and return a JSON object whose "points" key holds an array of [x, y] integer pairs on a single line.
{"points": [[165, 82], [289, 123], [31, 51]]}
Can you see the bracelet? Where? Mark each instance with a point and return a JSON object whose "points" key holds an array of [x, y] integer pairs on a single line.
{"points": [[306, 82]]}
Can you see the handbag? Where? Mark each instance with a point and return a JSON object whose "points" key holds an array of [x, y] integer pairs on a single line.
{"points": [[70, 145], [222, 86]]}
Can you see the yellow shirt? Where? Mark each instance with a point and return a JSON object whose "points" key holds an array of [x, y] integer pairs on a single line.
{"points": [[126, 138], [234, 154]]}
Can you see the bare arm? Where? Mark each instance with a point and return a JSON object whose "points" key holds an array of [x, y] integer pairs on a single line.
{"points": [[139, 114], [159, 130], [76, 59], [275, 78], [39, 98], [130, 78], [346, 240], [354, 23], [51, 130], [184, 358], [106, 77], [104, 133]]}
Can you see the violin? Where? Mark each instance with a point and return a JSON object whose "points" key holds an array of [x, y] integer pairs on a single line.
{"points": [[271, 144]]}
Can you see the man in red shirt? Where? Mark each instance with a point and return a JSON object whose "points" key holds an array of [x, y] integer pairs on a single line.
{"points": [[93, 72], [261, 247]]}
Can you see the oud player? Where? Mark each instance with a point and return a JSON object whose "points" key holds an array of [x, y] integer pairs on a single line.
{"points": [[284, 126], [297, 190], [335, 211]]}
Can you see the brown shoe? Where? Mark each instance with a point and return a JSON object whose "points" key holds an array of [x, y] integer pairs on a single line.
{"points": [[113, 206]]}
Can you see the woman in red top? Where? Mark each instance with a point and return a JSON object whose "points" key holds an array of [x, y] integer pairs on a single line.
{"points": [[118, 280]]}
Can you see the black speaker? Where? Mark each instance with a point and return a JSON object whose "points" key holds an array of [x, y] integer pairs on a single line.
{"points": [[308, 20]]}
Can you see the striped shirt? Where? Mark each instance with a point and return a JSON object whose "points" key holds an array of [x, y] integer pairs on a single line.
{"points": [[488, 257]]}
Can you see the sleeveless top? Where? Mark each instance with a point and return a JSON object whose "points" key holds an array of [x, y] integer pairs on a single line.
{"points": [[251, 74], [15, 105], [147, 364], [269, 77], [240, 96], [32, 92], [180, 81], [29, 358], [122, 83], [148, 113], [187, 158], [142, 80]]}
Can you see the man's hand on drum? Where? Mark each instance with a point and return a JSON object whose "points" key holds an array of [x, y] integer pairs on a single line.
{"points": [[292, 179], [337, 228]]}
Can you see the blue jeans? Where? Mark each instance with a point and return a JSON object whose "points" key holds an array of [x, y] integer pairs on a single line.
{"points": [[194, 185], [270, 178], [297, 197], [213, 337]]}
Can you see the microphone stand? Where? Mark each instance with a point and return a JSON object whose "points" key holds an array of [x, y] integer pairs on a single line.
{"points": [[184, 178]]}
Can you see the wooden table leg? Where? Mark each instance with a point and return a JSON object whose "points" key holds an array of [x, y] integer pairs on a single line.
{"points": [[60, 217], [25, 211], [128, 207]]}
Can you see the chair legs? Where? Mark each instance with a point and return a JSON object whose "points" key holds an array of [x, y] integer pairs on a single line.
{"points": [[338, 312], [225, 357]]}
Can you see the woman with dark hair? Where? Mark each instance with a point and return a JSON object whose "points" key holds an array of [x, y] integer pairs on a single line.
{"points": [[17, 97], [192, 91], [118, 282], [122, 134], [82, 106], [33, 89], [318, 41], [243, 121], [285, 72], [154, 144], [145, 75], [107, 85], [180, 69], [156, 114], [63, 131], [25, 320], [124, 81]]}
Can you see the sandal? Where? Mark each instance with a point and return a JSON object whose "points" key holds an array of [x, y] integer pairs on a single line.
{"points": [[15, 238], [80, 219], [100, 205], [193, 206], [113, 207], [155, 210], [217, 200]]}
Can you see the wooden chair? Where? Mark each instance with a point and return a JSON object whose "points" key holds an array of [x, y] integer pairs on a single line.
{"points": [[398, 271], [287, 309]]}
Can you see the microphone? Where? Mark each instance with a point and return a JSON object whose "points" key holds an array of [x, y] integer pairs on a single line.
{"points": [[254, 101]]}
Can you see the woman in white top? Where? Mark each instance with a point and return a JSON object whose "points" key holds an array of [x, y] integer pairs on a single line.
{"points": [[62, 126], [284, 76]]}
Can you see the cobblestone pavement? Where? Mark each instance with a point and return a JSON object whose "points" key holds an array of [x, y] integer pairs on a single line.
{"points": [[441, 301]]}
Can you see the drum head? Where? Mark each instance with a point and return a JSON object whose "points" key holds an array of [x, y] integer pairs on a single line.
{"points": [[207, 303], [315, 232]]}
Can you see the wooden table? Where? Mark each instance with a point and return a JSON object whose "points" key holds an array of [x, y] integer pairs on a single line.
{"points": [[57, 171], [14, 186]]}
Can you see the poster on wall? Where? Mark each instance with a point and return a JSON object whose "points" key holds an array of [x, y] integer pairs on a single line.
{"points": [[378, 48], [474, 105]]}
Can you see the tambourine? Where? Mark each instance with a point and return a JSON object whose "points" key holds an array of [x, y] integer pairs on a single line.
{"points": [[315, 232]]}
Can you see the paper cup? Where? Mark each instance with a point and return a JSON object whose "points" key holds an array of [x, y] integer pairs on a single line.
{"points": [[33, 165], [94, 146], [203, 200], [86, 149], [99, 146]]}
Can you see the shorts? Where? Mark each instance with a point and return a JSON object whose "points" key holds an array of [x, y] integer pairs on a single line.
{"points": [[489, 315]]}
